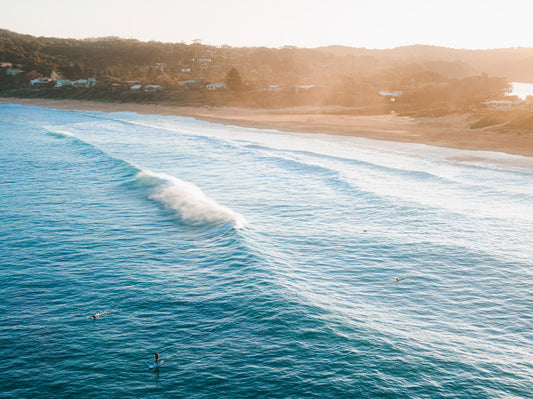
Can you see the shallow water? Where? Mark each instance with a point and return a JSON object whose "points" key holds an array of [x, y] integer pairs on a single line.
{"points": [[257, 263]]}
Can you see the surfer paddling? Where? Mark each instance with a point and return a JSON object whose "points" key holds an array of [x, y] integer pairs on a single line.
{"points": [[97, 315], [157, 363], [399, 279]]}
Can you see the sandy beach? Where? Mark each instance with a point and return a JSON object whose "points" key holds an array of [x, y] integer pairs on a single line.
{"points": [[450, 131]]}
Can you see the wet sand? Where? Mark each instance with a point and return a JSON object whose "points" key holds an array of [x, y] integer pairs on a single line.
{"points": [[449, 131]]}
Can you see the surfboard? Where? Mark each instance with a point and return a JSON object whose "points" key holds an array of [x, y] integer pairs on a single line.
{"points": [[156, 365]]}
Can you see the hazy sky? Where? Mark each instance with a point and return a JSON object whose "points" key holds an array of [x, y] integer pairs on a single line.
{"points": [[275, 23]]}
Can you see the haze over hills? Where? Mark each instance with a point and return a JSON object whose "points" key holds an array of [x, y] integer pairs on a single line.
{"points": [[287, 76]]}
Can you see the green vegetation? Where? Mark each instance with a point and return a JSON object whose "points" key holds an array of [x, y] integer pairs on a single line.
{"points": [[410, 79]]}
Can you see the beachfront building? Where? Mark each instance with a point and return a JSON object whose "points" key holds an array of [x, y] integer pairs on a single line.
{"points": [[63, 82], [216, 86], [40, 82], [135, 87], [500, 105], [304, 88], [89, 82], [14, 71], [153, 88], [158, 66]]}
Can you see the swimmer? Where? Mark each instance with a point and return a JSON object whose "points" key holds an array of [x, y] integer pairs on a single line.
{"points": [[97, 315], [399, 279]]}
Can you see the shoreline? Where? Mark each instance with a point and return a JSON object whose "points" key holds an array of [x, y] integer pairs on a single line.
{"points": [[448, 131]]}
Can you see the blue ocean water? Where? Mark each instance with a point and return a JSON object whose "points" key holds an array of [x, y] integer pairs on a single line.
{"points": [[257, 263]]}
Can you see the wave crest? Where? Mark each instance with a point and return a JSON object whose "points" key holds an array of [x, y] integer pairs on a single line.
{"points": [[188, 201]]}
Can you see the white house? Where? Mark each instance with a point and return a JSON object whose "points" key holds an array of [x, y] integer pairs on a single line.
{"points": [[304, 88], [153, 88], [159, 66], [136, 87], [40, 81], [274, 88], [63, 82], [216, 86], [501, 105], [14, 71], [391, 93]]}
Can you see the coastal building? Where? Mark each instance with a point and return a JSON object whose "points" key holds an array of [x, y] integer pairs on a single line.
{"points": [[216, 86], [500, 104], [63, 82], [391, 93], [153, 88], [40, 82], [89, 82], [14, 71], [136, 87], [158, 66], [304, 88]]}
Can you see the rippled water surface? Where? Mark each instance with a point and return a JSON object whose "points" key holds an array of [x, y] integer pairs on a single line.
{"points": [[257, 264]]}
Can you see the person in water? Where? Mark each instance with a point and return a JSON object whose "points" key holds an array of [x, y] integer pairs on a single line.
{"points": [[156, 355], [399, 279], [97, 315]]}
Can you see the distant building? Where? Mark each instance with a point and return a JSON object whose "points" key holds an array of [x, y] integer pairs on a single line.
{"points": [[40, 82], [14, 71], [6, 65], [500, 105], [63, 82], [152, 88], [391, 93], [135, 87], [194, 83], [304, 88], [216, 86], [89, 82], [158, 66]]}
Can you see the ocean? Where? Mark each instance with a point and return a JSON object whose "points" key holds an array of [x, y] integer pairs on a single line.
{"points": [[257, 263]]}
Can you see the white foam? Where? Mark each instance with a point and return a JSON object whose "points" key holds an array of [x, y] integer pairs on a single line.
{"points": [[189, 201]]}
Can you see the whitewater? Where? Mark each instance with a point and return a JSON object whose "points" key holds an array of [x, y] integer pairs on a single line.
{"points": [[257, 263]]}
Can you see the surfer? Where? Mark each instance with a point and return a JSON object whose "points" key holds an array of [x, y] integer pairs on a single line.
{"points": [[97, 315], [156, 355], [399, 279]]}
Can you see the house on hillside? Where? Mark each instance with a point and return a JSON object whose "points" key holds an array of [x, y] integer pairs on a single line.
{"points": [[89, 82], [136, 87], [158, 66], [216, 86], [153, 88], [39, 82], [304, 88], [14, 71], [500, 104], [194, 83], [63, 82]]}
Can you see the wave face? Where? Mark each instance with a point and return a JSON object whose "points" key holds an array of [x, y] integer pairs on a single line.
{"points": [[187, 200], [139, 219]]}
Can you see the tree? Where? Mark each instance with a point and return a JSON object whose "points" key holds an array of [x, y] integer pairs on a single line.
{"points": [[233, 80]]}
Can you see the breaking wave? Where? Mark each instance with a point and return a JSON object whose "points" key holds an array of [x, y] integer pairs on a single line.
{"points": [[188, 201]]}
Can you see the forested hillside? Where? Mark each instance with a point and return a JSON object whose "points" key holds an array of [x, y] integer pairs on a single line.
{"points": [[270, 77]]}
